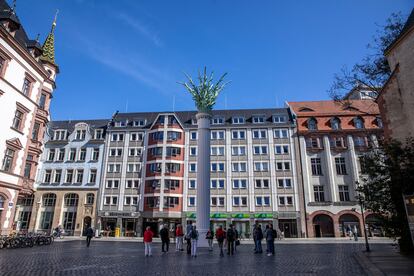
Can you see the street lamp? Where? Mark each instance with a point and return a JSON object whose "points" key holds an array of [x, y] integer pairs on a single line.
{"points": [[361, 203]]}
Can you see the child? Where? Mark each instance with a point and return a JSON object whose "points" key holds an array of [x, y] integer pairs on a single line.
{"points": [[148, 241]]}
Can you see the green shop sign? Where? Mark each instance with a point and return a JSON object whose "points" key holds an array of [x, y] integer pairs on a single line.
{"points": [[263, 215], [240, 216], [193, 215]]}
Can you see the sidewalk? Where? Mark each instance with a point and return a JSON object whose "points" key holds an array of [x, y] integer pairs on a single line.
{"points": [[386, 262], [284, 241]]}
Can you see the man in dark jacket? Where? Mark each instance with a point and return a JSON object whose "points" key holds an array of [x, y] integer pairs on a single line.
{"points": [[89, 235], [230, 236], [258, 237], [165, 238]]}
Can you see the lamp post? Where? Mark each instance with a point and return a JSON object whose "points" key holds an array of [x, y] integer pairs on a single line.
{"points": [[361, 204]]}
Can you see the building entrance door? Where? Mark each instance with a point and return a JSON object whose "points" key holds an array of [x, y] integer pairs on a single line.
{"points": [[128, 227], [318, 231], [288, 227], [86, 223]]}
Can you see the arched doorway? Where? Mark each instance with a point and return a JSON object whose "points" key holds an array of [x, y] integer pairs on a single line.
{"points": [[323, 226], [374, 223], [349, 222], [86, 223]]}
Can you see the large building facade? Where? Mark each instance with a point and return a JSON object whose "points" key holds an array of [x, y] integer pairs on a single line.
{"points": [[150, 171], [332, 136], [68, 179], [27, 81]]}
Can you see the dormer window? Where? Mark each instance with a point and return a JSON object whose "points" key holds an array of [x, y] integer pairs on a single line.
{"points": [[161, 120], [379, 122], [194, 121], [312, 124], [279, 119], [237, 120], [120, 124], [217, 121], [59, 135], [359, 123], [335, 124], [138, 123], [258, 119], [80, 134], [98, 134]]}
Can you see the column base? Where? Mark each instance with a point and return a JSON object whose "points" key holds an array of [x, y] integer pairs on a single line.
{"points": [[202, 241]]}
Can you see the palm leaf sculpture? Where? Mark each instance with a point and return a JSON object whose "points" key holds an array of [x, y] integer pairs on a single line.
{"points": [[206, 91]]}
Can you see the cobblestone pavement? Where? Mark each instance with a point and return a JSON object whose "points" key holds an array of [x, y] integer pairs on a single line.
{"points": [[127, 258]]}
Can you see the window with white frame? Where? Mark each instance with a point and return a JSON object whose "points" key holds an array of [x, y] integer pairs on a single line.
{"points": [[59, 135], [281, 149], [82, 155], [343, 192], [95, 154], [120, 123], [217, 150], [51, 155], [285, 200], [111, 200], [217, 201], [115, 151], [217, 121], [262, 201], [132, 183], [191, 201], [79, 175], [114, 168], [284, 183], [260, 150], [115, 137], [239, 201], [278, 119], [138, 123], [217, 167], [58, 176], [237, 120], [259, 133], [112, 184], [313, 142], [98, 134], [192, 167], [238, 166], [131, 200], [238, 135], [69, 176], [135, 151], [238, 150], [318, 193], [217, 184], [48, 176], [259, 119], [316, 166], [261, 166], [280, 133], [193, 135], [136, 136], [282, 166], [92, 176], [80, 134], [72, 155], [193, 151], [192, 184], [61, 155], [217, 134], [261, 183], [340, 165], [239, 183], [133, 167]]}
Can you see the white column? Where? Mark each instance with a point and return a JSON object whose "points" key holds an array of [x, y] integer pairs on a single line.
{"points": [[330, 169], [203, 177]]}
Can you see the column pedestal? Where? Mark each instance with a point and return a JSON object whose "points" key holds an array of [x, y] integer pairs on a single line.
{"points": [[203, 178]]}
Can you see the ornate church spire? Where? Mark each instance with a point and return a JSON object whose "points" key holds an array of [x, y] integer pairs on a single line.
{"points": [[48, 47]]}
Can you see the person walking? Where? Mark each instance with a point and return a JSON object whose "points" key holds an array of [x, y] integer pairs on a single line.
{"points": [[188, 237], [225, 238], [165, 238], [258, 237], [220, 235], [89, 235], [179, 238], [148, 241], [194, 239], [236, 238], [254, 237], [349, 231], [269, 235], [355, 233], [209, 238], [230, 236]]}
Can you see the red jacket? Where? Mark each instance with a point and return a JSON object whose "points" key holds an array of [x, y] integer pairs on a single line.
{"points": [[148, 236], [220, 234], [179, 232]]}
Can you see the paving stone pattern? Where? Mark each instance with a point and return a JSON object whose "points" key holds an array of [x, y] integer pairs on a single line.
{"points": [[127, 258]]}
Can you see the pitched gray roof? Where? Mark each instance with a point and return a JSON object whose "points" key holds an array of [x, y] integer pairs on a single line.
{"points": [[407, 27]]}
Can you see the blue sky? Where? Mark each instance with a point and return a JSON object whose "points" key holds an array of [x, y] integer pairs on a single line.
{"points": [[129, 55]]}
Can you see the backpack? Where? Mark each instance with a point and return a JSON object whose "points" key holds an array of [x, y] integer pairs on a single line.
{"points": [[230, 235], [193, 234]]}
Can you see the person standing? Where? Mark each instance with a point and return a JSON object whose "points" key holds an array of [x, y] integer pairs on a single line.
{"points": [[258, 237], [355, 233], [148, 241], [165, 238], [194, 239], [230, 236], [179, 238], [269, 235], [254, 237], [188, 237], [220, 234], [89, 235], [209, 238], [236, 238]]}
